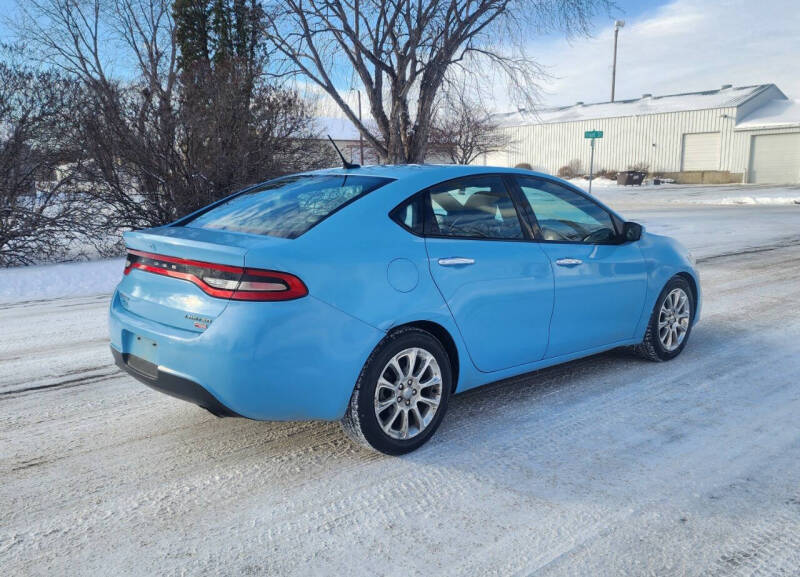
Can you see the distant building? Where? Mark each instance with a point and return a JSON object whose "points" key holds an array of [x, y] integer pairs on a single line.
{"points": [[734, 134], [346, 136]]}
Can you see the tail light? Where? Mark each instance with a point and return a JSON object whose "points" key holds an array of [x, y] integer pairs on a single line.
{"points": [[219, 280]]}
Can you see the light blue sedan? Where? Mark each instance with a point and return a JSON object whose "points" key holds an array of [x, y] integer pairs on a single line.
{"points": [[370, 295]]}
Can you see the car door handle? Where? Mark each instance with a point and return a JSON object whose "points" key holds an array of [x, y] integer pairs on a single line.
{"points": [[569, 262], [456, 261]]}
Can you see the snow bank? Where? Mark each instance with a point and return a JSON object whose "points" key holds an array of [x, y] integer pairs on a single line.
{"points": [[684, 194], [597, 182], [50, 281]]}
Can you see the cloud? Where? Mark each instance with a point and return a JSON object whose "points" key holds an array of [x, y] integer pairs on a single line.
{"points": [[682, 46]]}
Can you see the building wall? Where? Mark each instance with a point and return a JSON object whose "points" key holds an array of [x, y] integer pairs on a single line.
{"points": [[351, 149], [654, 139]]}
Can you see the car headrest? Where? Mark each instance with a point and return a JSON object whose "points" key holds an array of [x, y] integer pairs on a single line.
{"points": [[484, 202]]}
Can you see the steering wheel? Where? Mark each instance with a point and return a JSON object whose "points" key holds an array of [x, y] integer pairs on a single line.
{"points": [[571, 230], [551, 233], [599, 235]]}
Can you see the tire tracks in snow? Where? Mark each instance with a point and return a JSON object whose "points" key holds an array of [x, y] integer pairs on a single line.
{"points": [[535, 474], [86, 377], [784, 243]]}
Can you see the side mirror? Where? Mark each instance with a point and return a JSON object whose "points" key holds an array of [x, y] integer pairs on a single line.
{"points": [[631, 231]]}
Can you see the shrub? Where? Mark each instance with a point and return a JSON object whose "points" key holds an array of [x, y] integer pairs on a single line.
{"points": [[571, 170], [605, 173], [640, 167]]}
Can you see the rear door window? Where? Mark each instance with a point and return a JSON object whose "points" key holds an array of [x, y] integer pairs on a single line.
{"points": [[476, 207], [287, 207]]}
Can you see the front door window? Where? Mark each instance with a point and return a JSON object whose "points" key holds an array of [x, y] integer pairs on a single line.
{"points": [[566, 216]]}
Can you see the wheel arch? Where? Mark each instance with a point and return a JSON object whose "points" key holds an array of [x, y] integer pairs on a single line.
{"points": [[444, 337], [692, 285]]}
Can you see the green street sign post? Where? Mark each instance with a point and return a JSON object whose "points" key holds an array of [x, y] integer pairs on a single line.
{"points": [[592, 134]]}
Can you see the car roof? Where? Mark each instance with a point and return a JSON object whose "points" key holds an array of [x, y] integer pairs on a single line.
{"points": [[433, 172]]}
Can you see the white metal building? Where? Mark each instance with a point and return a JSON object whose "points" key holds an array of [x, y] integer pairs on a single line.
{"points": [[734, 134], [347, 138]]}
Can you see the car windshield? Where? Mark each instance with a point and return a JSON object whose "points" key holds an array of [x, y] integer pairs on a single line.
{"points": [[287, 207]]}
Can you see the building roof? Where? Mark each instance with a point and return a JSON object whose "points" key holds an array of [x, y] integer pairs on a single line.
{"points": [[727, 96], [774, 114]]}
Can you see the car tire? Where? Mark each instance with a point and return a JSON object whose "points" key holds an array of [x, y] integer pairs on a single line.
{"points": [[666, 321], [413, 397]]}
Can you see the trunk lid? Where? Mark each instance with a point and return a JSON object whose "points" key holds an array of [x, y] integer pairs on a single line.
{"points": [[199, 244], [177, 302]]}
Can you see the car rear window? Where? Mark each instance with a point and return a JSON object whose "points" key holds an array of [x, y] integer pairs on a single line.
{"points": [[287, 207]]}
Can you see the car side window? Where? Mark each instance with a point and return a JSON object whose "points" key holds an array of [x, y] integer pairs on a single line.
{"points": [[477, 207], [409, 214], [564, 215]]}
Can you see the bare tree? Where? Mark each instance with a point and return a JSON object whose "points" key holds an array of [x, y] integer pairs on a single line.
{"points": [[401, 52], [166, 140], [464, 130], [237, 127], [42, 211]]}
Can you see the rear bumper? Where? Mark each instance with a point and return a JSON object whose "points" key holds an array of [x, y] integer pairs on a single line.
{"points": [[293, 360], [170, 384]]}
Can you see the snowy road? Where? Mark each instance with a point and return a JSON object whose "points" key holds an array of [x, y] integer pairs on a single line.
{"points": [[605, 466]]}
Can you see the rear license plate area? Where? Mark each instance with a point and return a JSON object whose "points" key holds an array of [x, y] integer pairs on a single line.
{"points": [[141, 353]]}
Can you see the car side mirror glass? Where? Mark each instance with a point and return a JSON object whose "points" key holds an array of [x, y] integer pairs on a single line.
{"points": [[631, 231]]}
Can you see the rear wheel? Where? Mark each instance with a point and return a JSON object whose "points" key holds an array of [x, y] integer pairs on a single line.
{"points": [[401, 395], [670, 322]]}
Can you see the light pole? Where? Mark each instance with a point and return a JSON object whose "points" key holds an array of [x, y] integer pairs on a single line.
{"points": [[617, 25], [360, 136]]}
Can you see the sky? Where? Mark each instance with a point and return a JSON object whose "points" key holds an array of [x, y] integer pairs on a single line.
{"points": [[666, 47], [677, 46]]}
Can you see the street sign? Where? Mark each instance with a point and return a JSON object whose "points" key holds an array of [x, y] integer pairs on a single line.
{"points": [[592, 134]]}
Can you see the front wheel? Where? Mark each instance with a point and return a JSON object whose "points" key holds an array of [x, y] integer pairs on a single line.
{"points": [[670, 322], [401, 394]]}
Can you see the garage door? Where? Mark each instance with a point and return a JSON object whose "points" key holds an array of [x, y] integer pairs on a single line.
{"points": [[701, 151], [775, 158]]}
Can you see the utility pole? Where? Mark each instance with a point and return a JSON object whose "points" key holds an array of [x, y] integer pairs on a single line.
{"points": [[617, 25], [360, 136]]}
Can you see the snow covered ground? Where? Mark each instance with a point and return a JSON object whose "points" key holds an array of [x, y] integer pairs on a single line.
{"points": [[670, 194], [60, 280], [605, 466], [719, 195]]}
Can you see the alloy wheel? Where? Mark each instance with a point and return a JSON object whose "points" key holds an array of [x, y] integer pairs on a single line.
{"points": [[408, 393], [673, 319]]}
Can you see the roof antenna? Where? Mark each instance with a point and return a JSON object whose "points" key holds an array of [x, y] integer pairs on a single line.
{"points": [[345, 164]]}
